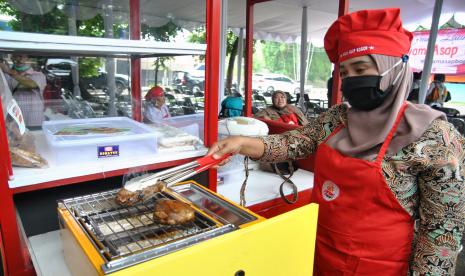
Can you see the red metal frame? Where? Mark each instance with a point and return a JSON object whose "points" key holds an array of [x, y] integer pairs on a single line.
{"points": [[17, 260], [212, 78], [101, 175], [4, 147], [17, 263], [336, 95], [249, 55], [134, 17]]}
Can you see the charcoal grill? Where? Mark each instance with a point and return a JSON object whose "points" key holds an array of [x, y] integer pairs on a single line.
{"points": [[127, 235]]}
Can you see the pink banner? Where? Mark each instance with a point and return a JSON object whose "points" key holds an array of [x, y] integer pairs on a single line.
{"points": [[449, 51]]}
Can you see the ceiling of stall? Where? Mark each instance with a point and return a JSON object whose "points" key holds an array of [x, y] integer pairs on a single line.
{"points": [[274, 20]]}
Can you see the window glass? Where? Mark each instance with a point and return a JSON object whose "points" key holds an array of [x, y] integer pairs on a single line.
{"points": [[277, 50], [105, 18], [183, 102]]}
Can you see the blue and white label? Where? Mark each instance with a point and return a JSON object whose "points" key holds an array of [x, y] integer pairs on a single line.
{"points": [[108, 151]]}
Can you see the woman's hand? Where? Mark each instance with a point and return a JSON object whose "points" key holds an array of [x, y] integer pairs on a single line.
{"points": [[231, 145], [248, 146]]}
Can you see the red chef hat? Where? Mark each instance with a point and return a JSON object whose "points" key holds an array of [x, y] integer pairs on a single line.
{"points": [[155, 91], [367, 32]]}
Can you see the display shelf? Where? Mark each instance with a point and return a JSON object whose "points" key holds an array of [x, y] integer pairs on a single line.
{"points": [[46, 44], [27, 179]]}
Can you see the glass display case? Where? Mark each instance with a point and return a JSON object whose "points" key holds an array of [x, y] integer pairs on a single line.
{"points": [[95, 61]]}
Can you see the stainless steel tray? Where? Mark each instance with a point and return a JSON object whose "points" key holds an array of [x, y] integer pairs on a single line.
{"points": [[127, 235]]}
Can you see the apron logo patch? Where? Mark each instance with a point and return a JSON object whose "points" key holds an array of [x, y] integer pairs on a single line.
{"points": [[329, 191]]}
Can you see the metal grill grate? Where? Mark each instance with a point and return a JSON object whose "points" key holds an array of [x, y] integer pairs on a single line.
{"points": [[120, 231]]}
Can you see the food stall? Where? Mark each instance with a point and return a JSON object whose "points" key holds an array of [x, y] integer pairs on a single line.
{"points": [[101, 239], [82, 163]]}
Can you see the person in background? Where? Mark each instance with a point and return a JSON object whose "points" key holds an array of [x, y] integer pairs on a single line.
{"points": [[329, 86], [389, 174], [281, 111], [415, 92], [156, 109], [437, 93], [27, 87], [232, 106]]}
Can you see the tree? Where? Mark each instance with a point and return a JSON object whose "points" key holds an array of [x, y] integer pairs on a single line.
{"points": [[162, 33], [279, 57], [232, 42], [320, 68], [56, 22]]}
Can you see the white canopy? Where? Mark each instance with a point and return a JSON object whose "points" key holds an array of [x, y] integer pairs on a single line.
{"points": [[281, 19], [278, 20]]}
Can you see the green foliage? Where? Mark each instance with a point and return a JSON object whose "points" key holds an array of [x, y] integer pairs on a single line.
{"points": [[280, 58], [162, 33], [92, 27], [54, 22], [88, 67], [320, 69], [199, 35]]}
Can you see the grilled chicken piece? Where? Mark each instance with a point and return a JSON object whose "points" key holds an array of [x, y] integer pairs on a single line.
{"points": [[173, 212], [128, 198]]}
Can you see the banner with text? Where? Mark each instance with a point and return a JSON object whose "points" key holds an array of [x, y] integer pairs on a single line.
{"points": [[449, 52]]}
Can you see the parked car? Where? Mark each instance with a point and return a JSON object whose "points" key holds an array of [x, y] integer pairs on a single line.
{"points": [[271, 82], [61, 68], [198, 71], [100, 82], [186, 81]]}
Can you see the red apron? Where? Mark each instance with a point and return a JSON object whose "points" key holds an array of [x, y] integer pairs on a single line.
{"points": [[362, 228], [289, 119]]}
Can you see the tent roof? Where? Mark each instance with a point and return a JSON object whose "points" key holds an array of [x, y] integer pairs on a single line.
{"points": [[274, 20], [281, 19]]}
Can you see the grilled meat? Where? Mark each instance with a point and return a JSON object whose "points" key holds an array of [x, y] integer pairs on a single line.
{"points": [[129, 198], [173, 212]]}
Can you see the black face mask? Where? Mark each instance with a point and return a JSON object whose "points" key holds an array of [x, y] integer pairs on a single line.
{"points": [[364, 92]]}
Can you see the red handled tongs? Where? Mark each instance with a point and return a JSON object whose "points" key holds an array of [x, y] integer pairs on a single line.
{"points": [[179, 173]]}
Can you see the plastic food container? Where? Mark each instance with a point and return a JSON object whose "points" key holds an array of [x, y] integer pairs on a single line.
{"points": [[81, 140]]}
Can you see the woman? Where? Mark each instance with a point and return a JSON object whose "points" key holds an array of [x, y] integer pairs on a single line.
{"points": [[389, 174], [156, 109], [437, 93], [282, 112], [232, 106], [27, 86]]}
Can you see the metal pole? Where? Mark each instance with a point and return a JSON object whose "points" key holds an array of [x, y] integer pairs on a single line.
{"points": [[110, 62], [336, 93], [223, 38], [72, 30], [303, 57], [134, 33], [240, 54], [430, 51], [212, 78], [248, 59]]}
